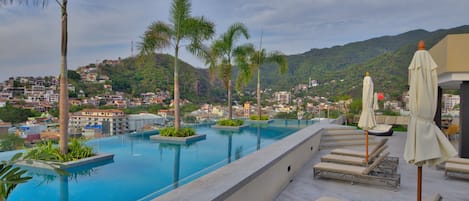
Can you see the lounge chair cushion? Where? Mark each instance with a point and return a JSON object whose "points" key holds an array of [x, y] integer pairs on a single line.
{"points": [[352, 160], [340, 168], [436, 197], [458, 160], [351, 152], [327, 199], [457, 167]]}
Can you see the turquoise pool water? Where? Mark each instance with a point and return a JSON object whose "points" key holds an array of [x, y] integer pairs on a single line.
{"points": [[143, 169]]}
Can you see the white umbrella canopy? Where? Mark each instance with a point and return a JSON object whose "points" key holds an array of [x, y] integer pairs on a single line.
{"points": [[367, 117], [425, 144], [375, 102]]}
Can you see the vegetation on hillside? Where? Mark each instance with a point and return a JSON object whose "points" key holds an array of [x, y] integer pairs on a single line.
{"points": [[339, 69]]}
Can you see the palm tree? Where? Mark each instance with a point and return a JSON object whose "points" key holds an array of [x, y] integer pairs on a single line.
{"points": [[160, 35], [251, 60], [63, 104], [223, 51]]}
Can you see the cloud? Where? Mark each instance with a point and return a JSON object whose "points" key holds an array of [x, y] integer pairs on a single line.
{"points": [[104, 29]]}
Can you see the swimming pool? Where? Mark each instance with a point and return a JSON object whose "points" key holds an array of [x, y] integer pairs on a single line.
{"points": [[143, 169]]}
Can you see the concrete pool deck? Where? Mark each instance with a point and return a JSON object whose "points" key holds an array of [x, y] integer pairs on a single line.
{"points": [[304, 187]]}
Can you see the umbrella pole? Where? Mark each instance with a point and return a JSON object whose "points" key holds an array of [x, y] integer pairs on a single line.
{"points": [[419, 183], [366, 155]]}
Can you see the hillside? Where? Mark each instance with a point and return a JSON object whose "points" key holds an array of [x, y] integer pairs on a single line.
{"points": [[136, 75], [339, 69], [386, 58]]}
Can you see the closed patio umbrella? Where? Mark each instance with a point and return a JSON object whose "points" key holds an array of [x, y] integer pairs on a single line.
{"points": [[425, 144], [367, 117], [375, 102]]}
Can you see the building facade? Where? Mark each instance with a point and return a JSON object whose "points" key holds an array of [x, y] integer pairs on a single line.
{"points": [[107, 122]]}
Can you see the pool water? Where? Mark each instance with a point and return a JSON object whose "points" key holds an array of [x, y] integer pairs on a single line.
{"points": [[143, 169]]}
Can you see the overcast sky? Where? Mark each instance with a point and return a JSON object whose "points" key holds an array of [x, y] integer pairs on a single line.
{"points": [[104, 29]]}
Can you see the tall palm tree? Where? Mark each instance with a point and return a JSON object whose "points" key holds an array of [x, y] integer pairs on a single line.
{"points": [[184, 27], [223, 50], [251, 60], [63, 102]]}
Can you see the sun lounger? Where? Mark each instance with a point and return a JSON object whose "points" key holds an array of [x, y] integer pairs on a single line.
{"points": [[436, 197], [458, 160], [388, 165], [351, 152], [327, 199], [359, 174], [457, 167], [352, 160]]}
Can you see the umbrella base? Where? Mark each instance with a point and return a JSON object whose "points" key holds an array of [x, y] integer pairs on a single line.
{"points": [[381, 130]]}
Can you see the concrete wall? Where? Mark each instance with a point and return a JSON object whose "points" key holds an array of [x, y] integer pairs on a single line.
{"points": [[259, 176]]}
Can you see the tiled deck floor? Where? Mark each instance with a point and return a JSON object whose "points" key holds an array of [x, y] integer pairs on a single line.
{"points": [[305, 187]]}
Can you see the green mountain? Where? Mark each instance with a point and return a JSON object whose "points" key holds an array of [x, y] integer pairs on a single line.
{"points": [[339, 69], [136, 75]]}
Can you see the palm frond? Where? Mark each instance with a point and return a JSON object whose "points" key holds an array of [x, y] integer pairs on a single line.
{"points": [[180, 11], [157, 36], [235, 31], [280, 59]]}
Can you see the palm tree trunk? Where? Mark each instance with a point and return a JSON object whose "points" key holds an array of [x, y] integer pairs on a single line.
{"points": [[230, 109], [63, 104], [176, 90], [259, 107]]}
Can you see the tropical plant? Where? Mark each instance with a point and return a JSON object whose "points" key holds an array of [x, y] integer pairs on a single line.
{"points": [[221, 54], [230, 122], [184, 27], [172, 132], [48, 152], [251, 60], [11, 176]]}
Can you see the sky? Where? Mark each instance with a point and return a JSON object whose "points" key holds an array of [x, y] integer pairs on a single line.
{"points": [[105, 29]]}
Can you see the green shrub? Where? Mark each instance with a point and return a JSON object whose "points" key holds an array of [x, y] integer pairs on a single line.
{"points": [[11, 142], [230, 122], [172, 132], [256, 117], [48, 152]]}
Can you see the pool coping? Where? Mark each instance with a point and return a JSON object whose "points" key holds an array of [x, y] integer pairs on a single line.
{"points": [[259, 121], [178, 140], [229, 127], [49, 165]]}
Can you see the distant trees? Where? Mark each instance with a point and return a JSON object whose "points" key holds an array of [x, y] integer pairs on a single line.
{"points": [[16, 115]]}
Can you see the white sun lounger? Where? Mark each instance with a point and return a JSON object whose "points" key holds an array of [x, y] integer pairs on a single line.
{"points": [[457, 167], [435, 197], [359, 174], [388, 165], [327, 199], [356, 153]]}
